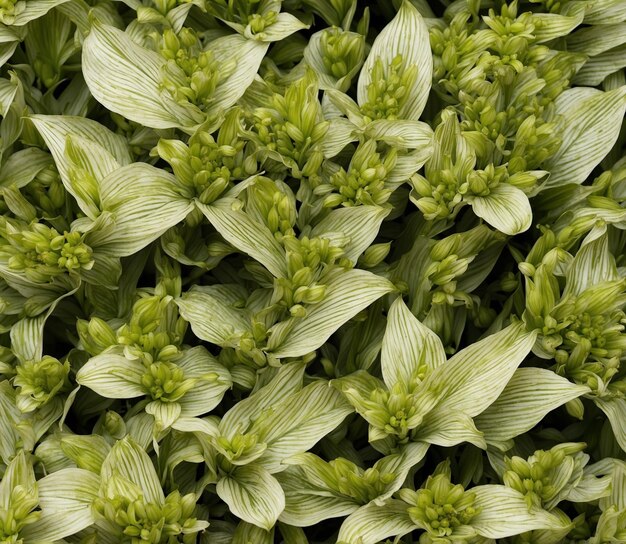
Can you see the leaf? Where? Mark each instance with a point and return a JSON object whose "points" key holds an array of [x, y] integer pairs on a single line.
{"points": [[285, 25], [549, 26], [35, 9], [65, 498], [306, 505], [287, 380], [197, 362], [348, 292], [129, 461], [145, 201], [23, 166], [506, 208], [590, 127], [597, 68], [247, 235], [593, 264], [360, 223], [498, 503], [407, 346], [527, 398], [405, 35], [210, 318], [127, 79], [55, 129], [473, 378], [246, 533], [371, 524], [247, 56], [113, 376], [253, 495], [401, 133], [449, 429], [297, 423], [615, 410]]}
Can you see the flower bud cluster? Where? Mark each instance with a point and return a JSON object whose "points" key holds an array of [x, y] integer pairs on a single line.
{"points": [[364, 182], [41, 252]]}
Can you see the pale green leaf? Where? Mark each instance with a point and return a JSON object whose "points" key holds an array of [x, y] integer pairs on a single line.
{"points": [[34, 9], [129, 461], [348, 292], [287, 380], [285, 25], [22, 166], [372, 523], [210, 318], [597, 68], [65, 498], [164, 413], [592, 264], [247, 235], [549, 26], [474, 377], [253, 495], [506, 208], [530, 395], [247, 56], [407, 346], [615, 410], [145, 201], [127, 79], [504, 512], [306, 506], [19, 472], [449, 429], [113, 376], [591, 124], [214, 381], [55, 129], [297, 423], [246, 533], [405, 35], [593, 40], [360, 223], [400, 133]]}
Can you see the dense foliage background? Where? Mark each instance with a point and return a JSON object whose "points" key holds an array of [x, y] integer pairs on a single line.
{"points": [[312, 271]]}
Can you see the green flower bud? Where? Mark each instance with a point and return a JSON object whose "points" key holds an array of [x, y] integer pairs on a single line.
{"points": [[38, 382], [95, 335]]}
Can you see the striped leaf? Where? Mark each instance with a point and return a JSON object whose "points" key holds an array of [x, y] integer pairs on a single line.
{"points": [[246, 234], [592, 264], [590, 126], [372, 523], [407, 346], [211, 318], [129, 461], [113, 376], [405, 35], [506, 208], [253, 495], [297, 423], [348, 292], [145, 201], [288, 380], [65, 499], [360, 223], [528, 397], [504, 512], [127, 79], [474, 378], [615, 410]]}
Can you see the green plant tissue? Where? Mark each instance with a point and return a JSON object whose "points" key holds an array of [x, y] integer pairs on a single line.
{"points": [[312, 272]]}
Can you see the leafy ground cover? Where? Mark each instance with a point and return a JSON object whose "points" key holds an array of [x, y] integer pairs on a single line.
{"points": [[312, 271]]}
